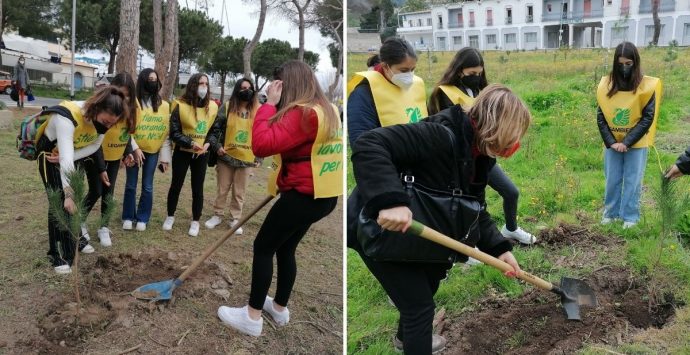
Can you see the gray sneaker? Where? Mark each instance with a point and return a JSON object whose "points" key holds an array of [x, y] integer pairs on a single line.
{"points": [[438, 343]]}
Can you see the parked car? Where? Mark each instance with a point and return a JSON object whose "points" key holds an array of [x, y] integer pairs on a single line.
{"points": [[5, 82]]}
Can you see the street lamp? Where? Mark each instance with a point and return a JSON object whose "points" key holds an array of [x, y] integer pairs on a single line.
{"points": [[74, 25]]}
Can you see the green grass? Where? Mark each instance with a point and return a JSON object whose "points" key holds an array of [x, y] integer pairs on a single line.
{"points": [[59, 93], [559, 171]]}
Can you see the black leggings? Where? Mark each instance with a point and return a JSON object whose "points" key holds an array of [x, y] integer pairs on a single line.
{"points": [[412, 287], [502, 184], [60, 243], [97, 189], [285, 225], [181, 162]]}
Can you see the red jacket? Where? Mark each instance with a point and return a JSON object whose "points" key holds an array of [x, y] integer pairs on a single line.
{"points": [[292, 138]]}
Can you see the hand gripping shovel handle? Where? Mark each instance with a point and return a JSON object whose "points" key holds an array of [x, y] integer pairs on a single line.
{"points": [[436, 237], [212, 248]]}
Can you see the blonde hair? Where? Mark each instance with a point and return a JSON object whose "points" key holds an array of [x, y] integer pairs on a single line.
{"points": [[502, 119], [300, 87]]}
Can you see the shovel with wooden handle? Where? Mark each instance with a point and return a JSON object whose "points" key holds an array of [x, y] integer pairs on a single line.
{"points": [[163, 290], [573, 292]]}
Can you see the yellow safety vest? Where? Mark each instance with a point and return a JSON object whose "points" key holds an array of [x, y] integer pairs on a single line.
{"points": [[456, 95], [624, 109], [152, 128], [115, 141], [196, 128], [326, 162], [393, 104], [84, 133], [238, 136]]}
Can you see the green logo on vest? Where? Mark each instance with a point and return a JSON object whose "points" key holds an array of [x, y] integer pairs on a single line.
{"points": [[621, 117], [124, 135], [413, 114], [242, 137], [201, 127]]}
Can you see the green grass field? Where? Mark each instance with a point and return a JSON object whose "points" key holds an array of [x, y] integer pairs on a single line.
{"points": [[559, 171]]}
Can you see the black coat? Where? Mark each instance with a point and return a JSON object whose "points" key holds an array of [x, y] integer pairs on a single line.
{"points": [[683, 162], [379, 156]]}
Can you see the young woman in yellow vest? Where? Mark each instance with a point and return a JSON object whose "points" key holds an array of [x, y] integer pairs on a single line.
{"points": [[103, 166], [462, 81], [231, 151], [190, 120], [628, 107], [390, 94], [302, 130], [153, 149], [73, 132]]}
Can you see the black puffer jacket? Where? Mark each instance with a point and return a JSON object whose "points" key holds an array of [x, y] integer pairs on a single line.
{"points": [[380, 155]]}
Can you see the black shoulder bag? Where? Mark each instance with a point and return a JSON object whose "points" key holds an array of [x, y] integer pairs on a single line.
{"points": [[450, 212]]}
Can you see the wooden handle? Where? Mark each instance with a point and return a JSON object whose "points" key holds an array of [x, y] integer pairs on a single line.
{"points": [[212, 248], [448, 242]]}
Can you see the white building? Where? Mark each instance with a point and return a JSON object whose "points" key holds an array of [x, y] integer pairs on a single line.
{"points": [[528, 24]]}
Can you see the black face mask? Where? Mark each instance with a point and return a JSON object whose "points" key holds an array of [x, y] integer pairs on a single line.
{"points": [[626, 71], [151, 87], [100, 128], [245, 95], [471, 81]]}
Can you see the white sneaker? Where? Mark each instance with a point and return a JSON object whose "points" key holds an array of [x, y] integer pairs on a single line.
{"points": [[238, 318], [104, 236], [168, 223], [213, 222], [281, 318], [519, 234], [606, 220], [87, 249], [627, 225], [141, 226], [63, 269], [127, 225], [233, 223], [85, 232], [194, 229], [473, 261]]}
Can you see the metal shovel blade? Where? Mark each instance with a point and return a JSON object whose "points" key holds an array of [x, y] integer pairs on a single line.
{"points": [[576, 293], [157, 291]]}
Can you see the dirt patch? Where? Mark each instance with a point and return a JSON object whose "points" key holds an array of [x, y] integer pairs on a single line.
{"points": [[107, 303], [536, 324], [572, 235]]}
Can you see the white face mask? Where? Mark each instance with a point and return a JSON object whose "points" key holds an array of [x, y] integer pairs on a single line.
{"points": [[403, 80], [202, 91]]}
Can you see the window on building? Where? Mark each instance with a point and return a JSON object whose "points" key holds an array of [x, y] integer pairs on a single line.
{"points": [[457, 40], [411, 23], [510, 38], [474, 41], [649, 33], [509, 16], [618, 35], [460, 20], [442, 43], [686, 34], [491, 39], [625, 7], [471, 18], [419, 22], [531, 37], [440, 22], [421, 40], [548, 7], [428, 21], [530, 14], [489, 17]]}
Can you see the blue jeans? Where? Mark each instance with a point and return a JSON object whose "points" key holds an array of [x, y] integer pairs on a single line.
{"points": [[129, 210], [624, 173]]}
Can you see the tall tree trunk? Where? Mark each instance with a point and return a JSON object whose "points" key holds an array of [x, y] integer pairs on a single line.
{"points": [[382, 20], [222, 86], [167, 63], [157, 35], [129, 30], [300, 15], [657, 21], [113, 52], [249, 48]]}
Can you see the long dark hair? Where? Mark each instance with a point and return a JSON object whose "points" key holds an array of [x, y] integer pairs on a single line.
{"points": [[234, 100], [124, 80], [467, 57], [142, 94], [110, 99], [616, 80], [190, 96]]}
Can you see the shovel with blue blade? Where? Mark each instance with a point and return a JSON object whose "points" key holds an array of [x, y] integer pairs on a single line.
{"points": [[163, 290]]}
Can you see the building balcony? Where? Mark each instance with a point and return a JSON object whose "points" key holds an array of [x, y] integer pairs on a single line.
{"points": [[414, 29], [509, 20], [529, 19], [456, 25], [489, 22], [573, 16], [664, 6], [625, 10], [471, 23]]}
